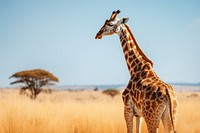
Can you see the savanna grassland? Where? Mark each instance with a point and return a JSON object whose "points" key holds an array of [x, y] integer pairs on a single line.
{"points": [[85, 111]]}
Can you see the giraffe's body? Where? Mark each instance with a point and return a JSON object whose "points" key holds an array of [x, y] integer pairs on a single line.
{"points": [[146, 95]]}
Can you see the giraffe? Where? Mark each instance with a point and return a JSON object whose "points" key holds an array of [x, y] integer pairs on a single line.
{"points": [[146, 95]]}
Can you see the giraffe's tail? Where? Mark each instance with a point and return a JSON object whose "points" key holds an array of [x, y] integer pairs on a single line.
{"points": [[170, 109]]}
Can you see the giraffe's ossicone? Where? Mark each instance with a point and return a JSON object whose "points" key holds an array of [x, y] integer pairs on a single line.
{"points": [[146, 95]]}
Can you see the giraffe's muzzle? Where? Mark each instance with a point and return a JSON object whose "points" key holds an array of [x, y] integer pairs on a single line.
{"points": [[98, 35]]}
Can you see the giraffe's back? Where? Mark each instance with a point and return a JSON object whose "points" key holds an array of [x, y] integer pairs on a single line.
{"points": [[148, 95]]}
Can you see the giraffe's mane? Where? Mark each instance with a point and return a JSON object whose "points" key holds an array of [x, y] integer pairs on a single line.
{"points": [[137, 46]]}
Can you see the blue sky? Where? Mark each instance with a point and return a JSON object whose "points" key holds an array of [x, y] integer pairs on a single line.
{"points": [[58, 36]]}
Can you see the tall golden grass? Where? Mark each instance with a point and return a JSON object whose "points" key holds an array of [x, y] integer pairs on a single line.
{"points": [[80, 112]]}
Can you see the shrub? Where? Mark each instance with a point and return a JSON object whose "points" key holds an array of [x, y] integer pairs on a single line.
{"points": [[111, 92]]}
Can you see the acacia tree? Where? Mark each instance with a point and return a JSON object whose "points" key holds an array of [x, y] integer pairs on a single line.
{"points": [[34, 80]]}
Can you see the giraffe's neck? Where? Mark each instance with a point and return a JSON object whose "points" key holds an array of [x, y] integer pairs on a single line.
{"points": [[134, 56]]}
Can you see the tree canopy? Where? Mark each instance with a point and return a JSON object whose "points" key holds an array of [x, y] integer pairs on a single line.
{"points": [[34, 79]]}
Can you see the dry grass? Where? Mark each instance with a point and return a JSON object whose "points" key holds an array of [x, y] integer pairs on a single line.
{"points": [[80, 112]]}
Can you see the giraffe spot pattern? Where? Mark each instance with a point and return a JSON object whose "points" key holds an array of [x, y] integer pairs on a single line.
{"points": [[145, 90]]}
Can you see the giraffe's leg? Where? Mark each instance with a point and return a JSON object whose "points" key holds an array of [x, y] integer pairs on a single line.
{"points": [[153, 120], [166, 120], [138, 124], [151, 126], [128, 115]]}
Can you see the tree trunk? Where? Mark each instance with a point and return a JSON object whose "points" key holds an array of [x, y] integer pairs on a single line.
{"points": [[33, 93]]}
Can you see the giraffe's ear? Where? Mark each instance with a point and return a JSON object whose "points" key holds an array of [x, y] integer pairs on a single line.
{"points": [[125, 20]]}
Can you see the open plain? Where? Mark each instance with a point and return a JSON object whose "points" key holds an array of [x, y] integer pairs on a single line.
{"points": [[81, 111]]}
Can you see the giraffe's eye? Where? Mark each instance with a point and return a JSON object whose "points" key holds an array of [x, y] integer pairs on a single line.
{"points": [[110, 24]]}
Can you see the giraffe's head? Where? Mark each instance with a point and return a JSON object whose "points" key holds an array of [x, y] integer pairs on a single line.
{"points": [[111, 25]]}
